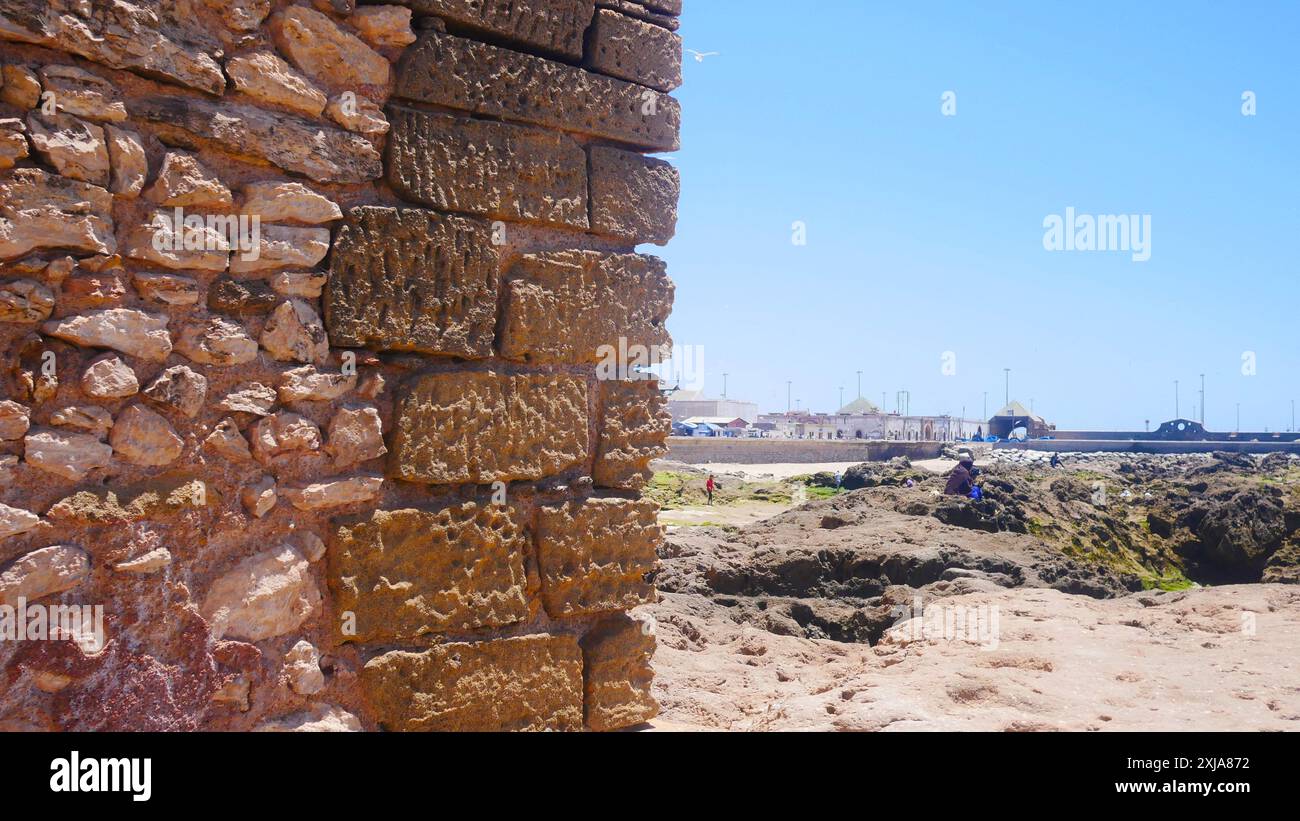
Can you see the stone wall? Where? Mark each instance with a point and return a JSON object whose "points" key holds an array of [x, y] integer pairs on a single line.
{"points": [[346, 464]]}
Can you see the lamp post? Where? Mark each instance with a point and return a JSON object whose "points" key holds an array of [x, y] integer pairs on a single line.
{"points": [[787, 395], [1175, 398], [724, 386], [1007, 372]]}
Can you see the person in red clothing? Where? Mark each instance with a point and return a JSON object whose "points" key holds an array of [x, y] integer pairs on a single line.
{"points": [[708, 488]]}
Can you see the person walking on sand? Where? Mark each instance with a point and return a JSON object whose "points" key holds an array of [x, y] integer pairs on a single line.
{"points": [[708, 488]]}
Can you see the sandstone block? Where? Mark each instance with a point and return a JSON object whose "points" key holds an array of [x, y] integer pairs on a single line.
{"points": [[184, 181], [242, 297], [250, 397], [155, 500], [306, 284], [226, 440], [384, 26], [634, 426], [67, 455], [180, 389], [294, 333], [319, 152], [635, 50], [334, 492], [563, 306], [283, 433], [142, 437], [126, 156], [90, 418], [617, 674], [489, 80], [15, 419], [408, 573], [412, 280], [359, 115], [633, 197], [594, 554], [216, 341], [306, 383], [283, 246], [25, 300], [21, 87], [302, 669], [171, 289], [13, 142], [274, 201], [269, 79], [108, 377], [41, 210], [77, 149], [523, 683], [168, 243], [267, 594], [325, 52], [15, 520], [259, 497], [150, 562], [550, 26], [83, 94], [43, 572], [123, 329], [119, 35], [487, 168], [484, 427], [355, 435], [323, 718]]}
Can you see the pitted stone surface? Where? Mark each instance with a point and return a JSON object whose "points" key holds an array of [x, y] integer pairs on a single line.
{"points": [[412, 280], [483, 427], [524, 683], [408, 573], [553, 26], [633, 197], [634, 427], [485, 168], [564, 306], [594, 555], [489, 80]]}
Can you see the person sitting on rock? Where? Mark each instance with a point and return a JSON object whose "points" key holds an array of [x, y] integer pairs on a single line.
{"points": [[960, 481]]}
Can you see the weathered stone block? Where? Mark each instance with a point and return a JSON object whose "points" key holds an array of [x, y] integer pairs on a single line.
{"points": [[562, 306], [323, 153], [594, 554], [485, 79], [633, 197], [617, 674], [550, 26], [634, 426], [41, 210], [121, 35], [498, 170], [524, 683], [412, 280], [635, 50], [407, 573], [483, 427]]}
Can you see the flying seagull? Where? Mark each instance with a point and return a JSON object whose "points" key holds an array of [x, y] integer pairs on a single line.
{"points": [[700, 55]]}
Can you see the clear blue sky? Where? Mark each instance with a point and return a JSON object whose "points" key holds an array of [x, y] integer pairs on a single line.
{"points": [[925, 232]]}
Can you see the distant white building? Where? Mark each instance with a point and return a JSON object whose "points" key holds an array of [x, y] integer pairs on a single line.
{"points": [[686, 404], [860, 419]]}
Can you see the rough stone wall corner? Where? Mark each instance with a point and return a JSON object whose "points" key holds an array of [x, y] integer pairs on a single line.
{"points": [[241, 436]]}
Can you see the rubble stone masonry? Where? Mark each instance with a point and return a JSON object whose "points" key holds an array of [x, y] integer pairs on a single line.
{"points": [[302, 310]]}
